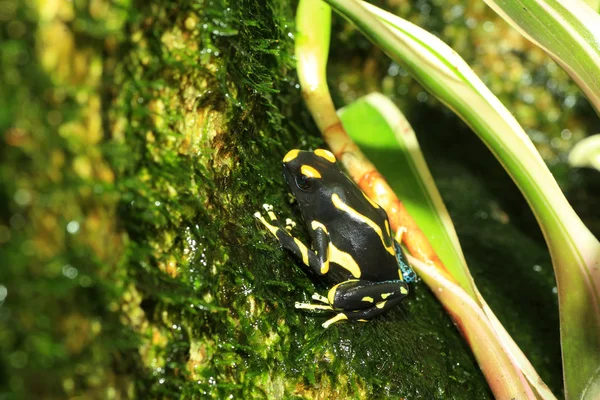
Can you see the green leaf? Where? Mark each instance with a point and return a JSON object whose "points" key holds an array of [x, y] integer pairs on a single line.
{"points": [[569, 31], [586, 153]]}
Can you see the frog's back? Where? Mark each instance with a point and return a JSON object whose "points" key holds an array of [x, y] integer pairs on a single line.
{"points": [[360, 228]]}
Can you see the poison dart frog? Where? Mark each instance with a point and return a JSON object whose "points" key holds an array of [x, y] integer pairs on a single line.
{"points": [[352, 245]]}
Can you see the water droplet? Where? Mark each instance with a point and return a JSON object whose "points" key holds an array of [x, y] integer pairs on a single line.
{"points": [[393, 69], [69, 271], [17, 221], [566, 134], [570, 101], [422, 97], [22, 197], [488, 26], [73, 227]]}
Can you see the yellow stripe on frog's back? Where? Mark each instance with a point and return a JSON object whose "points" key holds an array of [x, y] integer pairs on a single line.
{"points": [[340, 205]]}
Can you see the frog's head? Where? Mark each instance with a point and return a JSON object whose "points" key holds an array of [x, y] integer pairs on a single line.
{"points": [[310, 172]]}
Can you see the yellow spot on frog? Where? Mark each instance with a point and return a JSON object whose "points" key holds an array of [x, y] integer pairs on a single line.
{"points": [[386, 295], [339, 204], [326, 154], [368, 299], [381, 304], [291, 155], [387, 228], [309, 172], [403, 290]]}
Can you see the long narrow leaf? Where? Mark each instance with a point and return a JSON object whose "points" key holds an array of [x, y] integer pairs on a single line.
{"points": [[568, 30], [575, 251]]}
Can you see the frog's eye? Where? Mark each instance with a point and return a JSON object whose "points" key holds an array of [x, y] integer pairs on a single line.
{"points": [[307, 174], [302, 182]]}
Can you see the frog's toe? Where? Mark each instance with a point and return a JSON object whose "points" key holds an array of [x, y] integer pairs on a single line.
{"points": [[318, 297], [289, 224], [308, 306], [269, 209]]}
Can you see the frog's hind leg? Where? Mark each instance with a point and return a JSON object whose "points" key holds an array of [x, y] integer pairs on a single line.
{"points": [[363, 315], [360, 300], [360, 294]]}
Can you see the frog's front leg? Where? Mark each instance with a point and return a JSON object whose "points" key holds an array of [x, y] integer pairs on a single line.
{"points": [[316, 260], [361, 300]]}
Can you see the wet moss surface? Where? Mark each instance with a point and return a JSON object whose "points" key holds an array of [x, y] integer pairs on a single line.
{"points": [[135, 152]]}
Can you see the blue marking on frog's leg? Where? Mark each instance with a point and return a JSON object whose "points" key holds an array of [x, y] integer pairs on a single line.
{"points": [[408, 274]]}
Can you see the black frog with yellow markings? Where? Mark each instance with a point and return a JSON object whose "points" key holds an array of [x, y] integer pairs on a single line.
{"points": [[352, 244]]}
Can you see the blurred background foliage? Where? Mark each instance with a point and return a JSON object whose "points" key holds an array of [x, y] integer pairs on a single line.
{"points": [[139, 137]]}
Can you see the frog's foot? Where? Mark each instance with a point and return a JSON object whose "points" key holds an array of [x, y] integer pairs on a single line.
{"points": [[288, 241], [319, 307], [289, 224], [273, 224], [269, 209]]}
